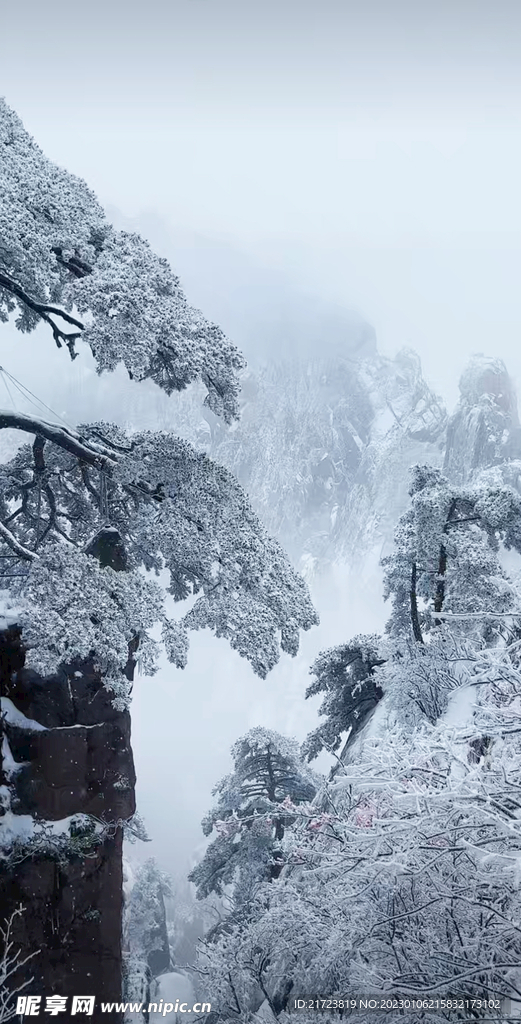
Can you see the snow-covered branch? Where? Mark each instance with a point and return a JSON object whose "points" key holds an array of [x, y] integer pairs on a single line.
{"points": [[15, 546], [65, 438], [45, 312]]}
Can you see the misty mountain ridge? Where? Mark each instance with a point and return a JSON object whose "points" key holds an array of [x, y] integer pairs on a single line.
{"points": [[324, 447], [329, 427]]}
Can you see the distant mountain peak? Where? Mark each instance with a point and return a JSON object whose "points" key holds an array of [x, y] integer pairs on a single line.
{"points": [[485, 375], [484, 428]]}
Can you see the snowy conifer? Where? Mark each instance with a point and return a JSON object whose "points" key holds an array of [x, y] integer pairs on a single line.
{"points": [[63, 264], [149, 501], [254, 805]]}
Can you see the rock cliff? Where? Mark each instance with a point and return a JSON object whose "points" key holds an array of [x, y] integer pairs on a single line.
{"points": [[66, 754], [484, 429]]}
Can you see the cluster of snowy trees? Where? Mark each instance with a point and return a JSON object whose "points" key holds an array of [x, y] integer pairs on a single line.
{"points": [[402, 874]]}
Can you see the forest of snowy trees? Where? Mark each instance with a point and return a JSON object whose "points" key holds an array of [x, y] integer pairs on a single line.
{"points": [[397, 872], [402, 874]]}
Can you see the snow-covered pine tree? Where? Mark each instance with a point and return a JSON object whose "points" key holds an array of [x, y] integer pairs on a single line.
{"points": [[346, 675], [150, 502], [61, 263], [446, 560], [82, 514], [145, 933], [253, 808], [446, 567]]}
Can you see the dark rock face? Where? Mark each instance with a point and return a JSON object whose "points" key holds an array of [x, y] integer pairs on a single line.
{"points": [[73, 917], [75, 756], [159, 958], [107, 546], [78, 768]]}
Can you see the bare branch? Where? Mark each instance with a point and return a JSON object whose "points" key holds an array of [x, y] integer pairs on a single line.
{"points": [[478, 615], [45, 313], [112, 444], [10, 964]]}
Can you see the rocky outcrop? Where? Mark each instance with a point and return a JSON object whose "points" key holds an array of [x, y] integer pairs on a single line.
{"points": [[324, 444], [72, 921], [66, 753], [484, 430]]}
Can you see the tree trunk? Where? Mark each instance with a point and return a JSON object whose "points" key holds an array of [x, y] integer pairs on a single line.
{"points": [[442, 566], [416, 628]]}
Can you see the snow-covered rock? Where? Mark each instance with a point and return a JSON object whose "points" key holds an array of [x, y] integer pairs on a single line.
{"points": [[484, 429]]}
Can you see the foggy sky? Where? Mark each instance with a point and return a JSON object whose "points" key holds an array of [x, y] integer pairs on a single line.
{"points": [[370, 151]]}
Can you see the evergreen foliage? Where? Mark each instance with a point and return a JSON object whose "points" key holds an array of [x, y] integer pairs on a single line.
{"points": [[62, 263], [79, 506], [402, 875], [254, 806]]}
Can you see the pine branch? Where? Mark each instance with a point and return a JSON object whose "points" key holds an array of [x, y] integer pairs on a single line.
{"points": [[45, 312], [15, 545], [61, 436]]}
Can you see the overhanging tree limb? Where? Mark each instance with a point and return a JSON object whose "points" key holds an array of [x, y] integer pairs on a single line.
{"points": [[61, 436], [15, 545], [45, 312]]}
